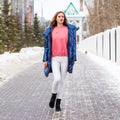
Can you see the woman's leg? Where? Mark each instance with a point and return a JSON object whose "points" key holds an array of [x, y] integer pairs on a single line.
{"points": [[56, 73], [59, 68], [57, 78], [63, 72]]}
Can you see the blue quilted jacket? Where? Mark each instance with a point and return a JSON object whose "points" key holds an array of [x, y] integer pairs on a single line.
{"points": [[71, 46]]}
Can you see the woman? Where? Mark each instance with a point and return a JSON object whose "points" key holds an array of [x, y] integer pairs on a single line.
{"points": [[59, 54]]}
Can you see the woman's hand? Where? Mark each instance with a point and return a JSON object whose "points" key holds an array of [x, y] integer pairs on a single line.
{"points": [[45, 64], [75, 62]]}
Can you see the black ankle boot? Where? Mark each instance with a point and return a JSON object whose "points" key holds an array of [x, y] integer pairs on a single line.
{"points": [[52, 100], [58, 101]]}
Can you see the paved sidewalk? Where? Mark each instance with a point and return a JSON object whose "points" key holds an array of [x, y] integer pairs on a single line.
{"points": [[91, 93]]}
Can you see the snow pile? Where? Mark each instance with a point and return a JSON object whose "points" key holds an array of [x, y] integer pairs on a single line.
{"points": [[12, 63]]}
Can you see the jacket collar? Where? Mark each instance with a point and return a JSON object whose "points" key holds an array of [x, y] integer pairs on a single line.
{"points": [[49, 29], [70, 26]]}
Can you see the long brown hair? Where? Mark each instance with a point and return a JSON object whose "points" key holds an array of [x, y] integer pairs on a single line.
{"points": [[54, 22]]}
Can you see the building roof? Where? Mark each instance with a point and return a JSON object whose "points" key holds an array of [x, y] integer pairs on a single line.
{"points": [[71, 10]]}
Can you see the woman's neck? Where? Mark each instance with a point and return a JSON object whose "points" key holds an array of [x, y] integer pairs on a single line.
{"points": [[59, 25]]}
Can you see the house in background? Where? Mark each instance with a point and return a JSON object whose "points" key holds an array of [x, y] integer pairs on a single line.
{"points": [[77, 18]]}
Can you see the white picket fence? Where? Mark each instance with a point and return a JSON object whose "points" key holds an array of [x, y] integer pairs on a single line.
{"points": [[105, 44]]}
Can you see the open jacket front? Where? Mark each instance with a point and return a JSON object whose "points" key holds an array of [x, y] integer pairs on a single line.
{"points": [[71, 46]]}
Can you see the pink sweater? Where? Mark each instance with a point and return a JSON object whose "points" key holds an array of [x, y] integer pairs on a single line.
{"points": [[59, 41]]}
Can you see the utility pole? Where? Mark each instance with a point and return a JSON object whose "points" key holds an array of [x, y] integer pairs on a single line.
{"points": [[42, 11]]}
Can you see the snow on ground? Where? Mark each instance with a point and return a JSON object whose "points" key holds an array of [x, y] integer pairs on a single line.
{"points": [[112, 67], [13, 63]]}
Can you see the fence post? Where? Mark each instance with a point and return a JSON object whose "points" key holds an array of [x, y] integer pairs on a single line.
{"points": [[113, 44], [106, 46], [118, 45], [100, 44]]}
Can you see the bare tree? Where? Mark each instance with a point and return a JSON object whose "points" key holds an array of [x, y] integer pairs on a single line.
{"points": [[104, 15]]}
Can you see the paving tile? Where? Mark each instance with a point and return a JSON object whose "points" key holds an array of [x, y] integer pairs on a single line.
{"points": [[90, 93]]}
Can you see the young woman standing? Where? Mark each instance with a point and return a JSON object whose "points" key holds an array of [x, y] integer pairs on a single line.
{"points": [[59, 54]]}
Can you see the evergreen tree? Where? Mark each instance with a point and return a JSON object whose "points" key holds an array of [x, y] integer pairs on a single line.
{"points": [[25, 33], [3, 34], [42, 28], [10, 30], [6, 7], [36, 28], [29, 37], [14, 32], [38, 31]]}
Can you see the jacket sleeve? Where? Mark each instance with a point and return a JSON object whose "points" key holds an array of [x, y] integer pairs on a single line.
{"points": [[74, 48], [74, 45], [45, 54]]}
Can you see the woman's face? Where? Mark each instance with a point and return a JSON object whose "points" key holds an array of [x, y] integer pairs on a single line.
{"points": [[60, 18]]}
